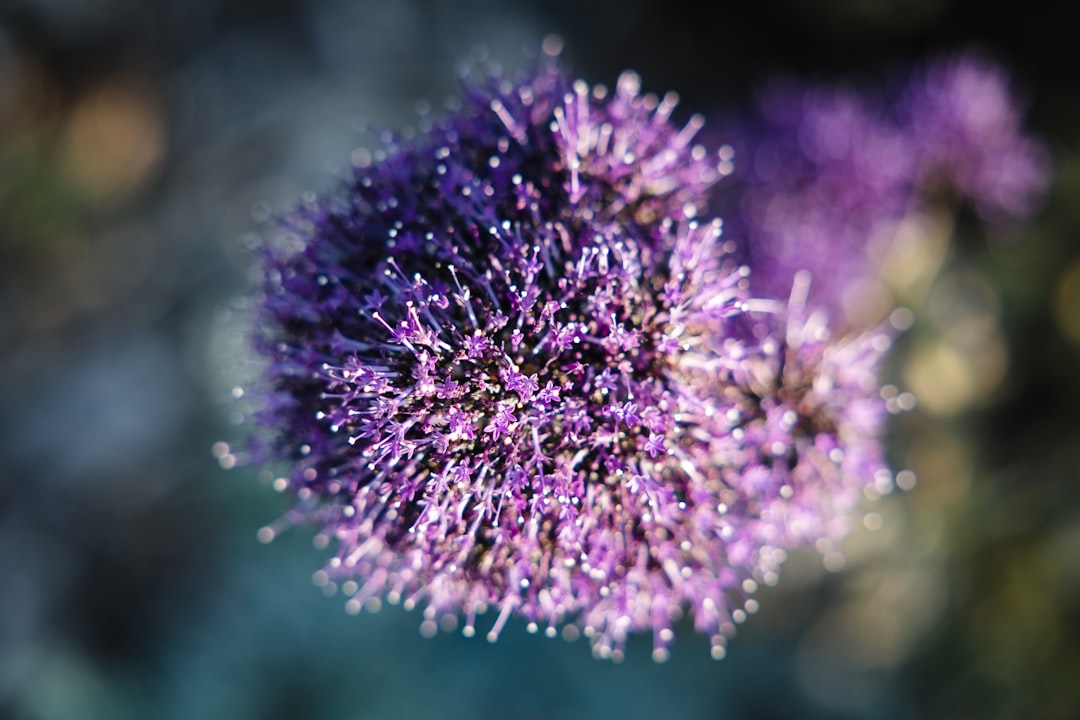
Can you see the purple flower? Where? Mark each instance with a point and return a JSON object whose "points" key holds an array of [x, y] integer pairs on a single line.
{"points": [[511, 370], [826, 175], [967, 127]]}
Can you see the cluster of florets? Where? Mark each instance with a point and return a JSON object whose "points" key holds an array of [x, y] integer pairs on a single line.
{"points": [[513, 370], [826, 171]]}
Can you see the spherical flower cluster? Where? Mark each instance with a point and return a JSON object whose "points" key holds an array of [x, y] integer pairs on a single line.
{"points": [[966, 122], [513, 369], [824, 171]]}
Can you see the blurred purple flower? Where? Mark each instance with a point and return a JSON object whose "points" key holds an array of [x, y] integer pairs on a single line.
{"points": [[511, 370], [823, 171], [967, 127]]}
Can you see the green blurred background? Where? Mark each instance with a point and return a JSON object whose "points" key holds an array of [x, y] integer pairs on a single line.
{"points": [[141, 141]]}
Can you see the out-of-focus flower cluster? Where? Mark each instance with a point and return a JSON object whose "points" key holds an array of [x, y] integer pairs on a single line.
{"points": [[512, 367], [828, 175]]}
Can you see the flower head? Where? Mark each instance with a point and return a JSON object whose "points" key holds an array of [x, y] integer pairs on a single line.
{"points": [[827, 174], [512, 370], [966, 122]]}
